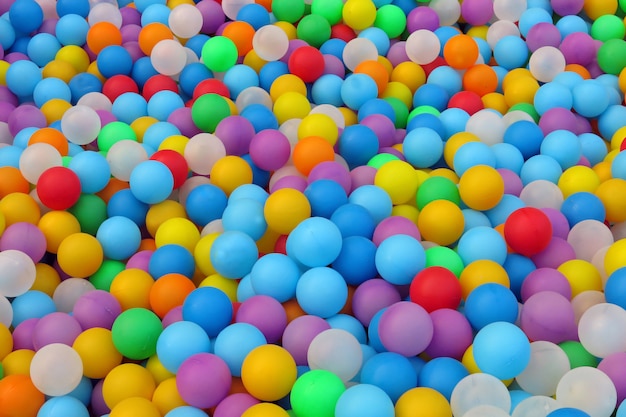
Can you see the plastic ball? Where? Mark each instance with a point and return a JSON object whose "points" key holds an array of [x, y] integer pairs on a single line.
{"points": [[364, 398], [80, 255], [422, 46], [97, 352], [441, 221], [415, 335], [528, 231], [178, 342], [133, 325], [128, 380], [548, 363], [208, 307], [346, 365], [57, 327], [435, 287], [479, 389], [203, 373], [597, 396], [265, 280], [96, 308], [268, 372], [558, 327], [593, 329], [316, 393], [20, 396], [60, 379], [501, 349]]}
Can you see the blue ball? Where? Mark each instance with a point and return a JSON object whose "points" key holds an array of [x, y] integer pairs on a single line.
{"points": [[489, 303], [51, 88], [517, 268], [540, 167], [350, 324], [169, 259], [244, 289], [321, 291], [260, 116], [186, 411], [354, 220], [275, 275], [238, 78], [270, 71], [82, 84], [155, 13], [157, 132], [179, 341], [610, 121], [245, 215], [192, 75], [325, 196], [163, 103], [124, 203], [142, 71], [422, 147], [142, 5], [372, 332], [474, 218], [376, 106], [508, 157], [71, 29], [364, 400], [114, 60], [254, 14], [7, 34], [151, 182], [358, 88], [32, 304], [563, 146], [454, 121], [42, 48], [233, 254], [63, 406], [209, 308], [484, 49], [374, 199], [433, 95], [327, 90], [501, 72], [517, 396], [571, 24], [443, 34], [358, 144], [551, 95], [442, 374], [391, 372], [568, 79], [128, 107], [482, 243], [429, 121], [507, 205], [23, 76], [378, 37], [399, 258], [446, 77], [531, 17], [615, 288], [83, 391], [501, 349], [618, 166], [471, 154], [569, 412], [26, 15], [78, 7], [205, 203], [356, 260], [333, 46], [10, 156], [511, 52], [119, 237], [195, 43], [314, 242], [581, 206], [235, 342], [590, 98], [92, 169]]}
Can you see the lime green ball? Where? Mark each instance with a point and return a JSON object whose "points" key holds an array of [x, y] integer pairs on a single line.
{"points": [[445, 257], [208, 110], [381, 159], [65, 160], [437, 188], [421, 110], [578, 355], [400, 110], [104, 276], [526, 108], [391, 19], [219, 54], [135, 333], [288, 10], [612, 56], [315, 394], [90, 211], [608, 27], [622, 5], [314, 29], [328, 9], [113, 132]]}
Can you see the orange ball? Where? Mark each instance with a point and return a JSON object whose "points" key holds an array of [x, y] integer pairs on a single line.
{"points": [[241, 33], [114, 185], [169, 291], [12, 181], [377, 71], [310, 151], [460, 51], [481, 79], [19, 397], [578, 69], [151, 34], [103, 34], [51, 136]]}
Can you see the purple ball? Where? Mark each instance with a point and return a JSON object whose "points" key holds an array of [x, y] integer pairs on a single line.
{"points": [[614, 366], [545, 279], [173, 316], [583, 125], [235, 132], [203, 380], [567, 7], [6, 109], [578, 48], [181, 118], [549, 316], [140, 260], [299, 333], [543, 34], [334, 65], [362, 175], [395, 225], [384, 128], [512, 182], [556, 118], [15, 56], [452, 334], [393, 151], [106, 117], [23, 334], [422, 17], [270, 149], [290, 181], [560, 225], [98, 406], [372, 296], [234, 405], [477, 12], [397, 53], [266, 314], [25, 237], [332, 170], [292, 46], [130, 16], [6, 96], [130, 33], [557, 252], [97, 308], [405, 328], [212, 16], [56, 327], [25, 115]]}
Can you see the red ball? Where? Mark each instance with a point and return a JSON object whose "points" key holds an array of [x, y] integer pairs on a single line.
{"points": [[435, 287], [118, 85], [528, 231], [58, 188], [280, 246], [175, 162], [343, 32], [466, 100], [307, 63], [158, 83], [211, 85]]}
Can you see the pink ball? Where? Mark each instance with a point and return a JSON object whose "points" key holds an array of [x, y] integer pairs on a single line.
{"points": [[25, 237], [362, 175], [173, 316], [548, 316], [614, 366]]}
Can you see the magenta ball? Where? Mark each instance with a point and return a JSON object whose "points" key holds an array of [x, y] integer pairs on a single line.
{"points": [[545, 279], [395, 225], [452, 334], [334, 65], [548, 316], [203, 380], [512, 182], [567, 7], [55, 327], [557, 252], [23, 334], [25, 115], [212, 16], [614, 366], [477, 12], [266, 314], [97, 308], [181, 118], [397, 51], [234, 405], [98, 405], [299, 333], [405, 328], [25, 237], [290, 181], [372, 296], [331, 170], [269, 149], [235, 132]]}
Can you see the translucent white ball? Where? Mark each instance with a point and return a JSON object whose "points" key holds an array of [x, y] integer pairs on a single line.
{"points": [[546, 63], [185, 21], [537, 405], [422, 46], [448, 11], [96, 101], [584, 300], [337, 351], [479, 389], [602, 329], [588, 237], [358, 50], [487, 125], [499, 30], [105, 12], [6, 311], [270, 42], [542, 194], [18, 273], [168, 57], [56, 369], [37, 158], [587, 389], [548, 363], [510, 10], [69, 291], [253, 95], [81, 124], [486, 411], [232, 7], [124, 156], [202, 151]]}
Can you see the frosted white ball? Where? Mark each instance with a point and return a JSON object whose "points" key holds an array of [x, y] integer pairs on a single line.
{"points": [[337, 351], [270, 43], [602, 329], [588, 237], [69, 291], [253, 95], [448, 11], [542, 194], [499, 30], [487, 125], [548, 363], [422, 46], [185, 21], [358, 50], [6, 311], [168, 57], [37, 158], [587, 389], [536, 406], [81, 124], [18, 273], [510, 10], [202, 151], [124, 156], [56, 369], [479, 389], [546, 63]]}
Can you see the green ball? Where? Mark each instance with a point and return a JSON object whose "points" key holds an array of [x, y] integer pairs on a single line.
{"points": [[526, 108], [288, 10], [208, 110], [90, 211], [329, 9], [445, 257], [113, 132], [381, 159], [437, 188], [608, 27], [612, 56], [622, 5], [219, 54], [391, 19], [314, 29], [400, 110], [578, 355], [135, 333], [104, 276], [315, 394]]}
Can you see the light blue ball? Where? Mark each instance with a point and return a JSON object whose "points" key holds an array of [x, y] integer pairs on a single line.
{"points": [[244, 289], [364, 400], [563, 146], [507, 205], [471, 154], [22, 77], [31, 304], [378, 37], [275, 275], [7, 34], [399, 258], [245, 215], [321, 291], [42, 48], [474, 218], [482, 243], [568, 78], [501, 349], [350, 324], [610, 121], [119, 237], [163, 103], [92, 169], [511, 52], [156, 12], [10, 156], [353, 220], [446, 77], [454, 121], [235, 342], [358, 88], [391, 372], [508, 157], [251, 191], [186, 411], [51, 88], [590, 98], [373, 334], [233, 254], [158, 132], [442, 374], [151, 182], [374, 199], [327, 90], [315, 242], [540, 167], [83, 391], [531, 17], [422, 147], [571, 24], [179, 341], [63, 406], [551, 95], [238, 78], [333, 46], [71, 29], [618, 166]]}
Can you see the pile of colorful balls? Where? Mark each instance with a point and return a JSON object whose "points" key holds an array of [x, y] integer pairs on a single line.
{"points": [[312, 208]]}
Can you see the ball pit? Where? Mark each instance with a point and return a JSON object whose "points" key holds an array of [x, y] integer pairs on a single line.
{"points": [[314, 208]]}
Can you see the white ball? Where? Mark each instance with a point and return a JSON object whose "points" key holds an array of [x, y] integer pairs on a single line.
{"points": [[18, 273], [479, 389], [96, 101], [602, 329], [542, 194], [81, 124], [168, 57], [510, 10], [37, 158], [185, 21], [56, 369], [486, 411], [202, 151], [487, 125], [448, 11], [359, 50], [546, 63], [6, 312], [270, 43], [587, 389], [588, 237], [124, 156], [337, 351], [499, 30], [69, 291], [422, 46], [536, 406], [548, 363], [253, 95]]}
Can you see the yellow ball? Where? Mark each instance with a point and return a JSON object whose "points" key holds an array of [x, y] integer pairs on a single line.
{"points": [[582, 276], [6, 341], [446, 173], [265, 410], [228, 286], [453, 144], [131, 288], [4, 67], [481, 187], [520, 90], [174, 143], [478, 32], [410, 74], [158, 371], [54, 109], [179, 231], [614, 258], [254, 61], [288, 28], [603, 170], [46, 280], [141, 124], [202, 254], [159, 213], [19, 207], [80, 255], [441, 222], [482, 271], [577, 179], [231, 172], [291, 105], [75, 55], [125, 381], [399, 179], [285, 208], [349, 116], [166, 396], [268, 372], [359, 14], [515, 74], [612, 193], [596, 8], [56, 226], [495, 101], [97, 352], [620, 134], [135, 406], [18, 362], [319, 124], [423, 402], [408, 211], [287, 83], [93, 69]]}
